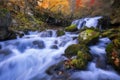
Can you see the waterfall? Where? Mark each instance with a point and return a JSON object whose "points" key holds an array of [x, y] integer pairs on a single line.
{"points": [[87, 22], [28, 58]]}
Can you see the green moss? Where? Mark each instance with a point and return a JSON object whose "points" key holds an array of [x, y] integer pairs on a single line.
{"points": [[111, 33], [87, 36], [84, 55], [71, 28], [60, 32], [117, 42], [3, 12], [25, 23], [109, 48], [78, 63], [73, 49]]}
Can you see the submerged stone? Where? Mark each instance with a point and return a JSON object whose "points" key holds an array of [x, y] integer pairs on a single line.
{"points": [[5, 51], [39, 44], [54, 47], [58, 71], [48, 33]]}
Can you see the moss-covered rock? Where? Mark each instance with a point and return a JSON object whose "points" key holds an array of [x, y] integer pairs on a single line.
{"points": [[80, 62], [113, 53], [74, 48], [24, 22], [88, 36], [60, 32], [109, 47], [71, 28], [111, 33]]}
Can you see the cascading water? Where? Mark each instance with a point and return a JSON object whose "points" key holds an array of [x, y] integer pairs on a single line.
{"points": [[28, 58], [87, 22]]}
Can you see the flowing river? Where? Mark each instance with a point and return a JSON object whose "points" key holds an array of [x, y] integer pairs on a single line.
{"points": [[29, 57]]}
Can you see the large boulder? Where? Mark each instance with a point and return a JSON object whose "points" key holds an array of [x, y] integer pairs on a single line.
{"points": [[78, 55], [81, 61], [74, 48], [88, 36]]}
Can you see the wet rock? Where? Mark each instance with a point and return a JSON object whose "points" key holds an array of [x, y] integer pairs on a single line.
{"points": [[88, 36], [60, 32], [78, 55], [62, 44], [11, 35], [71, 28], [46, 34], [5, 18], [3, 33], [58, 72], [20, 34], [81, 61], [55, 68], [73, 49], [39, 44], [55, 42], [7, 35], [54, 47]]}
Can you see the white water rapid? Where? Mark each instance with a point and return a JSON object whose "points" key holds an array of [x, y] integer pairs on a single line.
{"points": [[28, 58]]}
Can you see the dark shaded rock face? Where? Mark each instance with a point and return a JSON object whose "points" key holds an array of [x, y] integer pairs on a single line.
{"points": [[104, 22], [3, 33], [5, 19], [5, 22]]}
